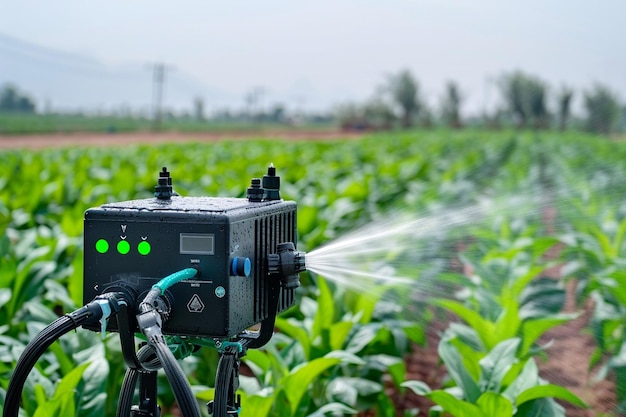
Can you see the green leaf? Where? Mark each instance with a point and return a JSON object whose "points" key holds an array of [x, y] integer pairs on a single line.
{"points": [[63, 401], [470, 357], [618, 240], [619, 358], [333, 409], [297, 383], [619, 290], [457, 370], [325, 314], [5, 296], [91, 392], [496, 364], [509, 321], [484, 328], [543, 297], [454, 406], [524, 280], [466, 335], [605, 244], [42, 409], [533, 329], [292, 329], [363, 337], [258, 359], [256, 405], [416, 334], [75, 282], [307, 219], [495, 405], [72, 379], [541, 407], [348, 389], [527, 378], [339, 334], [345, 357], [549, 391], [339, 390], [209, 394], [384, 406], [418, 387], [64, 359], [397, 372]]}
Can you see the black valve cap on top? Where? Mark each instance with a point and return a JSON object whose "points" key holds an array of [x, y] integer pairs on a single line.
{"points": [[255, 191], [163, 190], [271, 184]]}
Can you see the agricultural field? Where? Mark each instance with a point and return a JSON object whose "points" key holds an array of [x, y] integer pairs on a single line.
{"points": [[22, 124], [452, 273]]}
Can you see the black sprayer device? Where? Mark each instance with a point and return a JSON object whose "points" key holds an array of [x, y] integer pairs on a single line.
{"points": [[182, 273]]}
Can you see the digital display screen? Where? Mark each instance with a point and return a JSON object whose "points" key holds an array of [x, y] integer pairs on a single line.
{"points": [[197, 244]]}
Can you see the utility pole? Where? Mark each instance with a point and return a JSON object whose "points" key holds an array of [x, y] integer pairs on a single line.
{"points": [[158, 85], [253, 97]]}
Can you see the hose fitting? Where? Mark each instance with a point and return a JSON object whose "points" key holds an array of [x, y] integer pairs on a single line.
{"points": [[287, 264]]}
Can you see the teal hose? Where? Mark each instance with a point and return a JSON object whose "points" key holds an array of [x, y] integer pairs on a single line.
{"points": [[160, 287], [172, 279]]}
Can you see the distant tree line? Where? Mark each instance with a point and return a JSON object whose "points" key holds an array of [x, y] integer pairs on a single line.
{"points": [[13, 100], [524, 104]]}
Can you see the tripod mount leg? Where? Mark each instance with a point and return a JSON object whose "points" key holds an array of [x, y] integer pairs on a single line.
{"points": [[148, 406]]}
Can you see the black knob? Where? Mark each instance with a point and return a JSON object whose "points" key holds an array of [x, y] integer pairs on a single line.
{"points": [[163, 190], [255, 192]]}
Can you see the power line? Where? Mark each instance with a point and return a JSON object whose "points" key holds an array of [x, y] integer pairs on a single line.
{"points": [[14, 52]]}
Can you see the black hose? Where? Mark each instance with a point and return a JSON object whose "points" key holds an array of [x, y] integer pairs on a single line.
{"points": [[150, 363], [125, 401], [37, 347], [176, 377], [223, 385], [149, 360]]}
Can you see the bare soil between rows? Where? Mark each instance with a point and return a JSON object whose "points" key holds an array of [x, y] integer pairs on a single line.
{"points": [[148, 138]]}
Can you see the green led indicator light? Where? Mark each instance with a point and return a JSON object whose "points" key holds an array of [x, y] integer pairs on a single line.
{"points": [[102, 246], [144, 248], [123, 247]]}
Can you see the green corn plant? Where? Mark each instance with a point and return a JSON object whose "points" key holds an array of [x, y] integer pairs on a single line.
{"points": [[497, 384], [506, 298], [367, 350], [596, 254]]}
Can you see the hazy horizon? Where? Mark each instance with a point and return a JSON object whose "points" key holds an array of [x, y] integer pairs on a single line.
{"points": [[311, 55]]}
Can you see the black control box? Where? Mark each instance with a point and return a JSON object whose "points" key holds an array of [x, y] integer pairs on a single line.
{"points": [[227, 240]]}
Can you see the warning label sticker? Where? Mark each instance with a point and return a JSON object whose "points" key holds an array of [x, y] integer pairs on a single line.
{"points": [[195, 305]]}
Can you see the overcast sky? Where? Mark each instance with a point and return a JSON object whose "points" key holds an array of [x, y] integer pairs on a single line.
{"points": [[323, 52]]}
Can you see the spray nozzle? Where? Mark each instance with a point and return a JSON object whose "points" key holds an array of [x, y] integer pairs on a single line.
{"points": [[287, 264]]}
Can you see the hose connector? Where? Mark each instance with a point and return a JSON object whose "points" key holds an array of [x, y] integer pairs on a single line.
{"points": [[287, 264], [150, 323]]}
